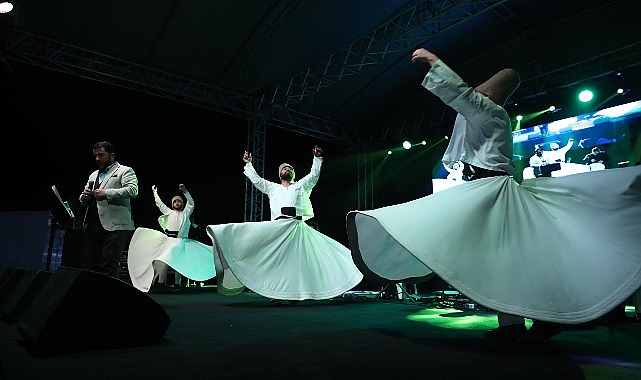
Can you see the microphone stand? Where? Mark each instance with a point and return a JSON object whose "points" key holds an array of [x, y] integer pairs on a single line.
{"points": [[52, 238]]}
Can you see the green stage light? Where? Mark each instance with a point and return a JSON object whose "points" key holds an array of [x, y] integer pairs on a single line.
{"points": [[586, 96], [451, 318], [518, 123]]}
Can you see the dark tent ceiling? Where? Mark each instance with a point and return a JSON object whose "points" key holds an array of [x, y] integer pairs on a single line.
{"points": [[335, 69]]}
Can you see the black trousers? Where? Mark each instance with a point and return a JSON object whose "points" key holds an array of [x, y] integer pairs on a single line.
{"points": [[106, 248]]}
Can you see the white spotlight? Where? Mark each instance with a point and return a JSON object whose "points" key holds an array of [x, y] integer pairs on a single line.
{"points": [[5, 7], [406, 144], [585, 95]]}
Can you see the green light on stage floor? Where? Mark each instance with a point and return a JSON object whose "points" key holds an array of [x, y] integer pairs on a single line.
{"points": [[451, 318]]}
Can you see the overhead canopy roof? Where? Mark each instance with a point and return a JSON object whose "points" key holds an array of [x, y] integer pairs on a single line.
{"points": [[334, 69]]}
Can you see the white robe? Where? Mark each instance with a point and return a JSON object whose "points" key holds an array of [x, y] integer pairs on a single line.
{"points": [[565, 250], [297, 194], [281, 259], [188, 257]]}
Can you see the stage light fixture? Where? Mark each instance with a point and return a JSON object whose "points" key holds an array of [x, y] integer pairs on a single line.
{"points": [[406, 144], [585, 96], [5, 7], [619, 91], [526, 118], [423, 142]]}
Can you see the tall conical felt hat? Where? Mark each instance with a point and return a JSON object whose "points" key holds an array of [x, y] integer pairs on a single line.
{"points": [[500, 86]]}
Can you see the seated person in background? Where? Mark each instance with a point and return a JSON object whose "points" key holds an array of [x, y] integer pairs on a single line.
{"points": [[597, 156], [537, 160], [557, 154]]}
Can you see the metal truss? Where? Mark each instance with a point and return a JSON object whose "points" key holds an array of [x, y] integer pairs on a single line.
{"points": [[392, 38], [420, 21], [254, 198], [598, 66], [534, 89], [46, 53], [365, 176]]}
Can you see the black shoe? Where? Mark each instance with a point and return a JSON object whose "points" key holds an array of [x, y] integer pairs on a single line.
{"points": [[277, 302], [162, 289], [157, 289], [507, 332], [540, 331]]}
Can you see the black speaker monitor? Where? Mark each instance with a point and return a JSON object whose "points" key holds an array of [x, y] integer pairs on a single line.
{"points": [[81, 309], [9, 279], [20, 294]]}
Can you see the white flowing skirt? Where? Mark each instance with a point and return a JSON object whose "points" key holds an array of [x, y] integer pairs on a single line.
{"points": [[281, 259], [188, 257], [564, 250]]}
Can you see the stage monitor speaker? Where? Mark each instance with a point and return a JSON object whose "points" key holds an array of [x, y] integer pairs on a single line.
{"points": [[79, 309], [9, 279], [22, 293]]}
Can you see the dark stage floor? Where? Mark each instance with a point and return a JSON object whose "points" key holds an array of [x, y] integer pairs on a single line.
{"points": [[357, 336]]}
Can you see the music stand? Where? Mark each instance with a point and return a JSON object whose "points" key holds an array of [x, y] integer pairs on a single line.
{"points": [[61, 213]]}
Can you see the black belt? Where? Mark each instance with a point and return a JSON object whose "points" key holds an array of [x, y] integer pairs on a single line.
{"points": [[173, 234], [299, 217], [471, 172]]}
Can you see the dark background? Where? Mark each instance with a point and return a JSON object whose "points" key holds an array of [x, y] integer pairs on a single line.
{"points": [[56, 105], [55, 118]]}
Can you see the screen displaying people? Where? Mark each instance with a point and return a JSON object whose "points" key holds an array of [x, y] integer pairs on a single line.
{"points": [[597, 157]]}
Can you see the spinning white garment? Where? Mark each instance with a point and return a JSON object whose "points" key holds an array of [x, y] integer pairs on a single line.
{"points": [[188, 257], [564, 250], [281, 259]]}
